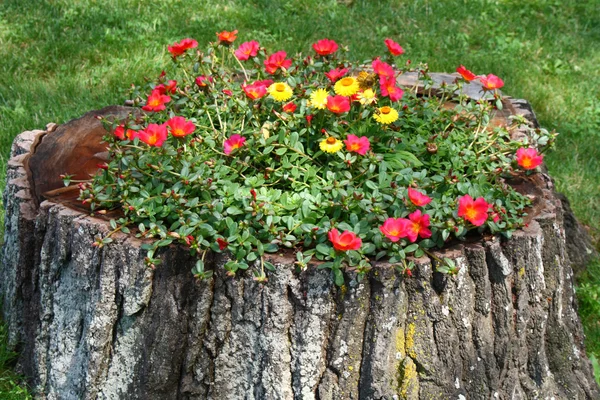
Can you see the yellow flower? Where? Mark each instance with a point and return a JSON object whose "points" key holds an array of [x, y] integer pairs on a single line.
{"points": [[280, 91], [346, 86], [386, 115], [367, 97], [331, 145], [318, 99]]}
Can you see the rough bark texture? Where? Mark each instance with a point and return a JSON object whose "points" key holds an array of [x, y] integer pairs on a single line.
{"points": [[97, 324]]}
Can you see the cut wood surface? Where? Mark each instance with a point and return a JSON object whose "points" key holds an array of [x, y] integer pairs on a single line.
{"points": [[96, 323]]}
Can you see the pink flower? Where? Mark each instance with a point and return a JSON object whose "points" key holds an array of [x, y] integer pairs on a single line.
{"points": [[465, 73], [180, 127], [393, 47], [290, 107], [417, 198], [234, 142], [338, 104], [389, 88], [474, 211], [394, 228], [382, 69], [529, 158], [357, 145], [247, 50], [154, 135], [265, 82], [178, 49], [254, 91], [277, 60], [203, 80], [344, 242], [170, 87], [491, 82], [325, 47], [417, 225], [156, 101], [336, 74]]}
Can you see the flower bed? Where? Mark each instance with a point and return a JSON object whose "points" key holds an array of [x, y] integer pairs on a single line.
{"points": [[248, 151]]}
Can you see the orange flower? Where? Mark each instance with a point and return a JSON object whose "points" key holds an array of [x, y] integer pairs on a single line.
{"points": [[170, 87], [156, 101], [325, 47], [393, 47], [465, 73], [180, 127], [154, 135], [254, 91], [529, 158], [203, 80], [474, 211], [277, 60], [178, 49], [247, 50], [338, 104], [491, 82], [417, 198], [357, 145], [226, 38], [344, 242], [121, 133]]}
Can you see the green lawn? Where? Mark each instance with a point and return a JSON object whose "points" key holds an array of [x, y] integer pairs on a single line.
{"points": [[61, 58]]}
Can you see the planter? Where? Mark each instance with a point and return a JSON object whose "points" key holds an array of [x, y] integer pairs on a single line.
{"points": [[96, 323]]}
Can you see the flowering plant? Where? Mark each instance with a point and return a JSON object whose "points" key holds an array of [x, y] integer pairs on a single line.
{"points": [[249, 151]]}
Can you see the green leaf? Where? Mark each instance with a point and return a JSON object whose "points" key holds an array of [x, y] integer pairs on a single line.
{"points": [[323, 249], [339, 277]]}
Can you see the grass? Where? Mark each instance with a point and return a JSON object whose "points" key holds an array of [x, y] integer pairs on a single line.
{"points": [[61, 58]]}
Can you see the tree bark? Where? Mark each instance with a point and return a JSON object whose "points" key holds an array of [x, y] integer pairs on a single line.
{"points": [[96, 323]]}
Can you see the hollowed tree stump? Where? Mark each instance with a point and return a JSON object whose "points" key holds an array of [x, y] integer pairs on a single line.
{"points": [[95, 323]]}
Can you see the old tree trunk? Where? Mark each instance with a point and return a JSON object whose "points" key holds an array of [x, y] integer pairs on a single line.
{"points": [[95, 323]]}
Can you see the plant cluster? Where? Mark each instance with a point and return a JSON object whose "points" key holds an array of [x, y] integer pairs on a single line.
{"points": [[248, 151]]}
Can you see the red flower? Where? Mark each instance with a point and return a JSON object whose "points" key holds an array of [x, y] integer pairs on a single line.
{"points": [[338, 104], [389, 88], [254, 91], [178, 49], [204, 80], [417, 225], [277, 60], [290, 107], [121, 133], [154, 135], [357, 145], [336, 74], [393, 47], [156, 101], [382, 69], [529, 158], [228, 92], [491, 82], [247, 50], [180, 127], [394, 228], [170, 87], [222, 244], [418, 199], [465, 73], [474, 211], [226, 38], [325, 47], [344, 242], [265, 82], [309, 119], [234, 142]]}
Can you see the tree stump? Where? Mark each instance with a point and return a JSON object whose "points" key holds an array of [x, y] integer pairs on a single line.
{"points": [[94, 323]]}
